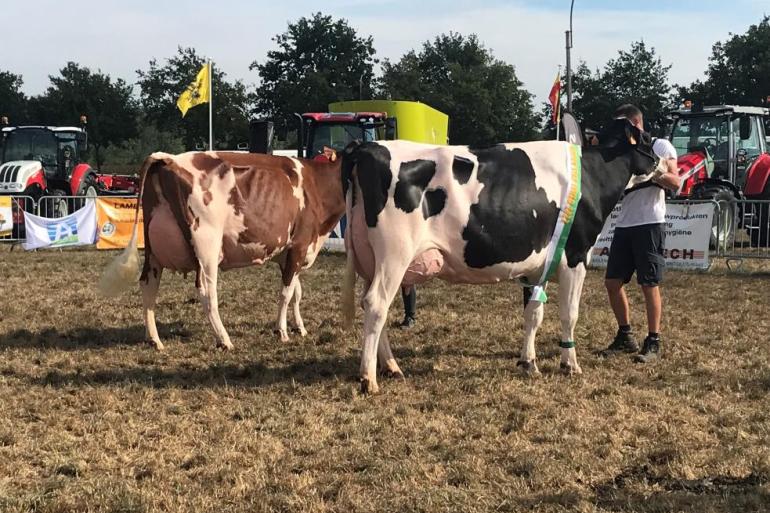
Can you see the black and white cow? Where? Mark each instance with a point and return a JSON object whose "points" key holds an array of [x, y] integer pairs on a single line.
{"points": [[476, 216]]}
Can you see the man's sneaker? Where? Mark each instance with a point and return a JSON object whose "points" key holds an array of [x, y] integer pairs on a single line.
{"points": [[650, 351], [407, 323], [623, 343]]}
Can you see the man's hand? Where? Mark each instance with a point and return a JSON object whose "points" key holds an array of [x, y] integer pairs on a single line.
{"points": [[670, 178]]}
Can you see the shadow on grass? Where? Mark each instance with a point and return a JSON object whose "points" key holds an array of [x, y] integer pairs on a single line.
{"points": [[708, 494], [249, 375], [89, 337]]}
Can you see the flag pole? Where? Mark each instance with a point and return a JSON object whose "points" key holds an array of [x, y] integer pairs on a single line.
{"points": [[558, 105], [211, 106]]}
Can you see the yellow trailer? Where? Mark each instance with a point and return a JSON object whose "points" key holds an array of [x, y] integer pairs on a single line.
{"points": [[415, 121]]}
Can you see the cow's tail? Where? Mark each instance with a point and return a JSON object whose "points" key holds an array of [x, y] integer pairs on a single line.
{"points": [[349, 282], [123, 271]]}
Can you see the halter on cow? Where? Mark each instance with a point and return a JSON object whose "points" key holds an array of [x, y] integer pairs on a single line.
{"points": [[479, 216]]}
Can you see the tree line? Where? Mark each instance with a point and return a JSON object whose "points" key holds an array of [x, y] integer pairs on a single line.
{"points": [[319, 60]]}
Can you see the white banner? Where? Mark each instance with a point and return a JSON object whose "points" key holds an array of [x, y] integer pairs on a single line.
{"points": [[6, 216], [76, 229], [688, 229]]}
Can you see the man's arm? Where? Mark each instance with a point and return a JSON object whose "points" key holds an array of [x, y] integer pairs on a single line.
{"points": [[669, 179]]}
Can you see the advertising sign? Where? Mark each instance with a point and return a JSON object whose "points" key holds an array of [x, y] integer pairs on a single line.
{"points": [[688, 229], [6, 216], [76, 229], [115, 220]]}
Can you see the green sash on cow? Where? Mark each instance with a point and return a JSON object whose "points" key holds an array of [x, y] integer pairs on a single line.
{"points": [[569, 204]]}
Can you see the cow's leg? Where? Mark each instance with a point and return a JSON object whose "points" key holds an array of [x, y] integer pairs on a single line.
{"points": [[380, 294], [570, 288], [206, 281], [284, 297], [149, 283], [533, 317], [297, 298], [385, 358], [387, 361]]}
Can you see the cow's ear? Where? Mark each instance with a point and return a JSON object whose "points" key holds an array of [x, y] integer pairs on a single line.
{"points": [[633, 134]]}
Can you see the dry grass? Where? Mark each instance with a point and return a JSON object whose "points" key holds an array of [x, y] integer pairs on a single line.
{"points": [[93, 420]]}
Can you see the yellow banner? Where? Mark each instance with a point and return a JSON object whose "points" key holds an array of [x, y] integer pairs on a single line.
{"points": [[115, 222], [6, 216]]}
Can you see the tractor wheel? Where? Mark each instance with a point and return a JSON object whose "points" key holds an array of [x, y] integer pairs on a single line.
{"points": [[58, 206], [88, 187], [724, 220]]}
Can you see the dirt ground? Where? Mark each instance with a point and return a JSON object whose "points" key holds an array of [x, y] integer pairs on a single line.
{"points": [[92, 419]]}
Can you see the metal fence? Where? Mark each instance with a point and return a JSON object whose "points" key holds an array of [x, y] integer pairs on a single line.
{"points": [[60, 206], [46, 206], [19, 204], [745, 231], [741, 229]]}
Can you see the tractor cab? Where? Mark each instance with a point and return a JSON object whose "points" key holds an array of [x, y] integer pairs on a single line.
{"points": [[727, 139], [723, 157], [324, 131], [38, 159], [57, 149]]}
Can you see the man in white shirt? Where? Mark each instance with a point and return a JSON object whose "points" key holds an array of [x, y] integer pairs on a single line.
{"points": [[637, 246]]}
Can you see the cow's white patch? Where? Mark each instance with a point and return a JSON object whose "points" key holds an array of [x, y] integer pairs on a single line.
{"points": [[547, 159], [299, 191], [534, 213]]}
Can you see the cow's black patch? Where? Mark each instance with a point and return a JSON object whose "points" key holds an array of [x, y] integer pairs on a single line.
{"points": [[434, 202], [413, 178], [604, 177], [512, 217], [462, 169], [374, 177]]}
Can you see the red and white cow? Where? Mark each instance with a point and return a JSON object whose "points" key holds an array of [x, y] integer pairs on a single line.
{"points": [[209, 210], [477, 216]]}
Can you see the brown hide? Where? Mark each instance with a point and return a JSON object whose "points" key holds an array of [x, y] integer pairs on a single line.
{"points": [[269, 210]]}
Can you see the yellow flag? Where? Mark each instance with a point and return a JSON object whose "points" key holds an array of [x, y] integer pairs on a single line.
{"points": [[196, 93]]}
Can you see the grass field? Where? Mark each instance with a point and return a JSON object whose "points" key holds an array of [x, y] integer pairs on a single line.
{"points": [[92, 419]]}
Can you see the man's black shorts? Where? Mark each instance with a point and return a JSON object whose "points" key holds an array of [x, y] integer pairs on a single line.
{"points": [[640, 249]]}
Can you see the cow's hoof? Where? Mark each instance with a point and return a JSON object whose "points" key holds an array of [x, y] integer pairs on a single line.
{"points": [[569, 369], [157, 344], [225, 346], [392, 374], [369, 387], [529, 367], [283, 336], [302, 331]]}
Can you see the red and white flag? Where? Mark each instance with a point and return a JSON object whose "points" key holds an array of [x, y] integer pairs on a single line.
{"points": [[553, 97]]}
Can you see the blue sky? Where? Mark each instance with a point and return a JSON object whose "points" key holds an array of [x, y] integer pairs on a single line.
{"points": [[118, 37]]}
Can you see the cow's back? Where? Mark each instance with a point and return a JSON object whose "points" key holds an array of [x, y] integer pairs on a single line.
{"points": [[251, 201], [489, 212]]}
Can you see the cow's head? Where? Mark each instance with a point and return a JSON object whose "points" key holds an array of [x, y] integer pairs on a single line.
{"points": [[626, 139]]}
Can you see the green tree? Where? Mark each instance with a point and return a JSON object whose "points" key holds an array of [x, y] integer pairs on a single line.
{"points": [[128, 155], [109, 105], [738, 70], [635, 76], [319, 60], [161, 85], [13, 103], [457, 75]]}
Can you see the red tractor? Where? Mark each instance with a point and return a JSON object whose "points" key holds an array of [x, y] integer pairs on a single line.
{"points": [[724, 157], [321, 131], [41, 161]]}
